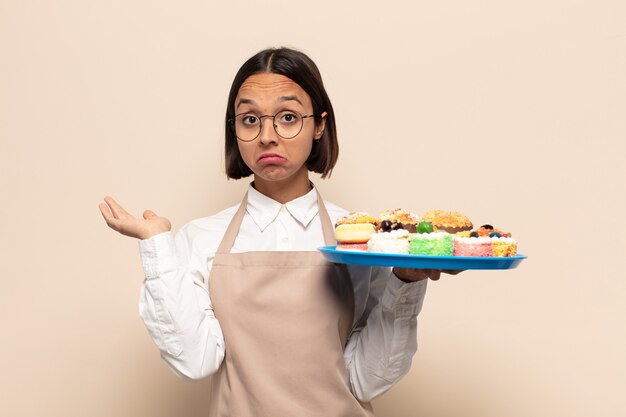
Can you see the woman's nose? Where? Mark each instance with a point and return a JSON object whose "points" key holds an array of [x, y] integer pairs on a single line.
{"points": [[268, 131]]}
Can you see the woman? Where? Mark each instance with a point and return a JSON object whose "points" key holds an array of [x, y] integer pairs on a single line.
{"points": [[244, 296]]}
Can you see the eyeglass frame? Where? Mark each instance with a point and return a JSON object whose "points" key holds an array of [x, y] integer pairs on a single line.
{"points": [[261, 117]]}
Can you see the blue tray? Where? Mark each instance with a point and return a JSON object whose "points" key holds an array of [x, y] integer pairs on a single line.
{"points": [[419, 261]]}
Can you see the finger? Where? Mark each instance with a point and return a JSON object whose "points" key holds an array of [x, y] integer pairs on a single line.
{"points": [[412, 274], [452, 271], [105, 210], [434, 274], [117, 210], [111, 221], [148, 214]]}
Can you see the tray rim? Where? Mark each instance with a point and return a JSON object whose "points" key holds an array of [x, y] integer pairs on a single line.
{"points": [[420, 261]]}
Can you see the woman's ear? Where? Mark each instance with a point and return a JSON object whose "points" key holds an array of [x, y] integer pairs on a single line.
{"points": [[319, 127]]}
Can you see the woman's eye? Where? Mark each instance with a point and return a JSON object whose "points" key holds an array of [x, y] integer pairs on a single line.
{"points": [[288, 117], [250, 119]]}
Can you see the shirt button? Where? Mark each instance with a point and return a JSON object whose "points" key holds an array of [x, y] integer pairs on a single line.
{"points": [[403, 299]]}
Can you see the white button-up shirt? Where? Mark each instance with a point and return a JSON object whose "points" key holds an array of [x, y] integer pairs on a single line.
{"points": [[176, 308]]}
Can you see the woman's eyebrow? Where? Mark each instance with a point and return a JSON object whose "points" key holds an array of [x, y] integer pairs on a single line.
{"points": [[280, 99], [290, 98], [244, 101]]}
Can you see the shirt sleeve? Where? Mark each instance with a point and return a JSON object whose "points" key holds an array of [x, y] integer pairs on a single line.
{"points": [[381, 347], [176, 308]]}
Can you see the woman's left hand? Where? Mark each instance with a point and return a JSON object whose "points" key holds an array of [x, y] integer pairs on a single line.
{"points": [[412, 275]]}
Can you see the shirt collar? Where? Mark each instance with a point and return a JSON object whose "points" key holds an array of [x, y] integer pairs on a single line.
{"points": [[264, 210]]}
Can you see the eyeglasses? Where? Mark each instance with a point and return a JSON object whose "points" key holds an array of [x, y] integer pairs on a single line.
{"points": [[287, 124]]}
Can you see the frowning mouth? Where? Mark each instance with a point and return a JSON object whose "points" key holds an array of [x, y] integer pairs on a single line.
{"points": [[270, 159]]}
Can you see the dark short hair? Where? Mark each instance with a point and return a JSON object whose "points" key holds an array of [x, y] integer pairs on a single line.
{"points": [[298, 67]]}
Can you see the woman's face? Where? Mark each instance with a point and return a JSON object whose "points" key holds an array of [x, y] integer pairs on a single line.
{"points": [[269, 156]]}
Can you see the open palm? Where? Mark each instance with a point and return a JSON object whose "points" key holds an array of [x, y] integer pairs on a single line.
{"points": [[118, 219]]}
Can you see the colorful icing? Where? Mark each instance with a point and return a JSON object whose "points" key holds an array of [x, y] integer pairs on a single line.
{"points": [[437, 243]]}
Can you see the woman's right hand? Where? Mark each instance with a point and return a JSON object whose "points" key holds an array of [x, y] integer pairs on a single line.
{"points": [[121, 221]]}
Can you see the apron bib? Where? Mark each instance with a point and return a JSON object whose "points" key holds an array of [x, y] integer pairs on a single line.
{"points": [[286, 317]]}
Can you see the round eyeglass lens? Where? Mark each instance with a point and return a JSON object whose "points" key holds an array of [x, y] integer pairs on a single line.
{"points": [[287, 125]]}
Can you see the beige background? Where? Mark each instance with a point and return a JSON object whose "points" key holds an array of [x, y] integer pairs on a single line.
{"points": [[512, 112]]}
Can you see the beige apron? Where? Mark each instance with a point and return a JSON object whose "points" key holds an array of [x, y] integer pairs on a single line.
{"points": [[286, 317]]}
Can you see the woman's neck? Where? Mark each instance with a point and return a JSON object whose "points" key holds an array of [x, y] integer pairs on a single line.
{"points": [[285, 190]]}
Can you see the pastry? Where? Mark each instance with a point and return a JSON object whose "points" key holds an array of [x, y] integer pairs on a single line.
{"points": [[436, 243], [397, 219], [355, 247], [448, 221], [487, 230], [354, 233], [472, 246], [353, 230], [503, 246], [395, 241], [356, 217]]}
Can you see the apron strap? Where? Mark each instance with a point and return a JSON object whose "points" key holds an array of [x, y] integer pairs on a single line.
{"points": [[233, 228], [327, 226]]}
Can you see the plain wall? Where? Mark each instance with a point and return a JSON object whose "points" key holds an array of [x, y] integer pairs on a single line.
{"points": [[511, 112]]}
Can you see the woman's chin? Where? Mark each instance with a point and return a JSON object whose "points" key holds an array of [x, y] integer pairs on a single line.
{"points": [[272, 173], [280, 173]]}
